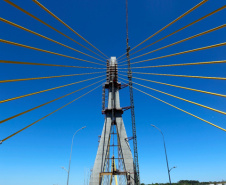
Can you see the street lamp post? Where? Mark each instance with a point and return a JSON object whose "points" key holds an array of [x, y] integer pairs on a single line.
{"points": [[165, 152], [68, 171]]}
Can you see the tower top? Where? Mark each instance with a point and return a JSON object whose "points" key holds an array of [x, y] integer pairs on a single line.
{"points": [[113, 61]]}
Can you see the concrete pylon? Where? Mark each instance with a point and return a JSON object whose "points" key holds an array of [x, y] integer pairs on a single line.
{"points": [[113, 144]]}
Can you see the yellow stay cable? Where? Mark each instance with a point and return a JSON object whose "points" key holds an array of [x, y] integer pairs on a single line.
{"points": [[12, 117], [198, 20], [46, 51], [182, 110], [47, 115], [46, 77], [183, 52], [183, 15], [15, 98], [191, 89], [177, 97], [194, 36], [187, 76], [57, 18], [40, 64], [35, 33], [36, 18], [183, 64]]}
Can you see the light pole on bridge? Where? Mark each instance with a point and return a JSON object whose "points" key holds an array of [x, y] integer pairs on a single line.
{"points": [[68, 171], [165, 153]]}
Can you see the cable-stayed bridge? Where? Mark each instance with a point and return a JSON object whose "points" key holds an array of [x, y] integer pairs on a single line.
{"points": [[114, 163]]}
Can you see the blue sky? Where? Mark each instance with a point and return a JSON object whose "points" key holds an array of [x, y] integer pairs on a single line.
{"points": [[36, 155]]}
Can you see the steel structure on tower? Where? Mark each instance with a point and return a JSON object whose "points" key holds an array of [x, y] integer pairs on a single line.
{"points": [[135, 150], [114, 162]]}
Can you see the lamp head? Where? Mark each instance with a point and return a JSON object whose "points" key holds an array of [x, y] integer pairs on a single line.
{"points": [[83, 127]]}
